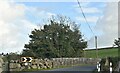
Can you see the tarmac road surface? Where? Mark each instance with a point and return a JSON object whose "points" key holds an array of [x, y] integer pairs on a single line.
{"points": [[75, 69]]}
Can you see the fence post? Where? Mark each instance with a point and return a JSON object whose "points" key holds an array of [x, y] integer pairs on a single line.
{"points": [[98, 66], [110, 67]]}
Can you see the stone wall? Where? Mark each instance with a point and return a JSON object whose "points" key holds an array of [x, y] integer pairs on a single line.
{"points": [[35, 64], [50, 63], [1, 64], [57, 62]]}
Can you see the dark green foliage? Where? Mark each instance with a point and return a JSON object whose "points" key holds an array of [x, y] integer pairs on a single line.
{"points": [[14, 56], [28, 52], [57, 39], [11, 56], [114, 61], [117, 42]]}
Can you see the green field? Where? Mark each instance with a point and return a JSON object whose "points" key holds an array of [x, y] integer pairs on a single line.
{"points": [[102, 53]]}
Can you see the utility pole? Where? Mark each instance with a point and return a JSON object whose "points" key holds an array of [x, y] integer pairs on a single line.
{"points": [[96, 46]]}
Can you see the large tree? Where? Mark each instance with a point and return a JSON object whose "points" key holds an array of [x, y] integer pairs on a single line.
{"points": [[60, 38]]}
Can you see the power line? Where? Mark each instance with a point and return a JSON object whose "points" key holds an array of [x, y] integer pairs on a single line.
{"points": [[85, 18], [89, 28]]}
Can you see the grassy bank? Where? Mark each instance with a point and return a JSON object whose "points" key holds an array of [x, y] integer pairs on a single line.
{"points": [[102, 53]]}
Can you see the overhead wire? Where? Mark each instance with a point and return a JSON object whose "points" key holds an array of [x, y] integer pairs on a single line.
{"points": [[85, 17]]}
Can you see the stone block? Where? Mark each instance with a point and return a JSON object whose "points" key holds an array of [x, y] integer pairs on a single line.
{"points": [[34, 67]]}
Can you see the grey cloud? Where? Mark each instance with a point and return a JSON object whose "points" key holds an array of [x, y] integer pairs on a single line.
{"points": [[108, 25]]}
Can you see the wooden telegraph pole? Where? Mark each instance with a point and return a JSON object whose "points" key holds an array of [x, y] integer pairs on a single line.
{"points": [[96, 46]]}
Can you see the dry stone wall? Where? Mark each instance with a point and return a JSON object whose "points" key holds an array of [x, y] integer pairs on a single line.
{"points": [[1, 64], [57, 62], [35, 64], [49, 63]]}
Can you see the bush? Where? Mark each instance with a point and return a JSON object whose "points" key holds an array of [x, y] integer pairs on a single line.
{"points": [[114, 61]]}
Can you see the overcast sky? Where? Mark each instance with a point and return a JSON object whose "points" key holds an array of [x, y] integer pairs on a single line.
{"points": [[18, 19]]}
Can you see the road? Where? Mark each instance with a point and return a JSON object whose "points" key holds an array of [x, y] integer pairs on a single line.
{"points": [[75, 69]]}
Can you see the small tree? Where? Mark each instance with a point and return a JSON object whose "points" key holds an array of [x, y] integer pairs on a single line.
{"points": [[117, 42]]}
